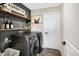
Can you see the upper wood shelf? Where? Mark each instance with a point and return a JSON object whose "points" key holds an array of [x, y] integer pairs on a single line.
{"points": [[13, 14]]}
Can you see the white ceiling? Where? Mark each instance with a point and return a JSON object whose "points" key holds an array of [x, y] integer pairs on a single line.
{"points": [[34, 6]]}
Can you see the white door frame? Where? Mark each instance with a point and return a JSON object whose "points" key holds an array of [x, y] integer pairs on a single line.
{"points": [[62, 28]]}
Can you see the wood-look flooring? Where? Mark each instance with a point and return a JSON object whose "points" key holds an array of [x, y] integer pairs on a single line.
{"points": [[50, 52]]}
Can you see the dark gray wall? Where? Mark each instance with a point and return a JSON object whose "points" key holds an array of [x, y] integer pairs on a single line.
{"points": [[18, 22]]}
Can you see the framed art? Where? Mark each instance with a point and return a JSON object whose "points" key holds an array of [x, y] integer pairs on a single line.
{"points": [[36, 20]]}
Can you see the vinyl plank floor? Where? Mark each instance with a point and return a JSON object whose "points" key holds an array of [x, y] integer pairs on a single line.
{"points": [[50, 52]]}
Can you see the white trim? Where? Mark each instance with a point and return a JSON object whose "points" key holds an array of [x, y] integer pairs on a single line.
{"points": [[72, 46]]}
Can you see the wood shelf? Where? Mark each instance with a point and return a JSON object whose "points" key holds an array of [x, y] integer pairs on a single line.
{"points": [[13, 29], [13, 14]]}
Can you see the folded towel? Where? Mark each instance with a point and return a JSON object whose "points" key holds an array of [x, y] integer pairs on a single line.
{"points": [[10, 52]]}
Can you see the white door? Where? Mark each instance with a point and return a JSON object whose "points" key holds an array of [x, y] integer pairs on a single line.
{"points": [[51, 30]]}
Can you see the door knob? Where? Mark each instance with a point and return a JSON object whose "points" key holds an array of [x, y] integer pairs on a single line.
{"points": [[46, 32], [64, 43]]}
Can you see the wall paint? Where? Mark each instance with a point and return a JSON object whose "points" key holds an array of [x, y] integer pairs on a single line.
{"points": [[39, 27], [71, 27]]}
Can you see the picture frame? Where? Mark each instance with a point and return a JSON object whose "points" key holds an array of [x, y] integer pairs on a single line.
{"points": [[37, 19]]}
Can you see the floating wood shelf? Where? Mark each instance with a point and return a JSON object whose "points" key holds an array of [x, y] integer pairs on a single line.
{"points": [[13, 29], [13, 14], [8, 11]]}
